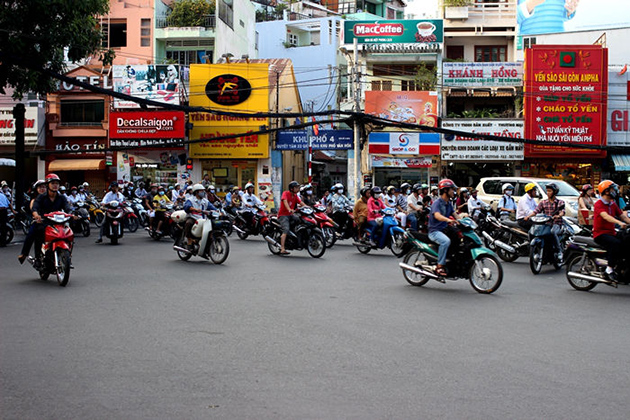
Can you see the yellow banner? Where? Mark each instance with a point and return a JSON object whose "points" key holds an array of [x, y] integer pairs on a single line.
{"points": [[246, 147]]}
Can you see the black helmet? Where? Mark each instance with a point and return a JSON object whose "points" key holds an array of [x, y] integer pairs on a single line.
{"points": [[376, 190], [293, 184], [416, 187], [113, 184], [364, 191], [553, 187]]}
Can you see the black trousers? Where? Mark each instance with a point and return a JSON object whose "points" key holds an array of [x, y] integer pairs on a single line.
{"points": [[4, 216], [613, 245]]}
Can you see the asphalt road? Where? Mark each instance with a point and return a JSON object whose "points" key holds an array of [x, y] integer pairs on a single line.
{"points": [[138, 334]]}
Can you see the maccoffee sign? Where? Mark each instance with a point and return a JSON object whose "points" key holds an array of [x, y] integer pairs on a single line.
{"points": [[153, 128], [566, 99], [228, 89], [394, 32]]}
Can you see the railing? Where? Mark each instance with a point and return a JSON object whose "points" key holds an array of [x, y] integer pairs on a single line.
{"points": [[208, 21], [486, 11]]}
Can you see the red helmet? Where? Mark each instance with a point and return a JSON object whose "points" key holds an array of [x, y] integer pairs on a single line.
{"points": [[446, 184], [52, 177]]}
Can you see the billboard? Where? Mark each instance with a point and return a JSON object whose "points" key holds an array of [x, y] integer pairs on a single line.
{"points": [[394, 31], [146, 128], [475, 149], [409, 163], [238, 87], [455, 74], [619, 108], [413, 107], [154, 82], [325, 140], [566, 99], [7, 126], [400, 143], [557, 16]]}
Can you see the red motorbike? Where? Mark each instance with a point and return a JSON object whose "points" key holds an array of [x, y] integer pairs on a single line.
{"points": [[255, 223], [130, 220], [326, 224], [56, 252], [304, 234]]}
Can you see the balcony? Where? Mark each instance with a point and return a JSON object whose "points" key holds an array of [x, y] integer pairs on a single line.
{"points": [[481, 16], [166, 29]]}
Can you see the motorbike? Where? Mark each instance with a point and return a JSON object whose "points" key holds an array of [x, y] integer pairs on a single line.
{"points": [[542, 244], [586, 263], [303, 235], [350, 229], [389, 234], [141, 213], [209, 238], [509, 240], [10, 230], [113, 221], [326, 224], [130, 218], [96, 213], [82, 224], [56, 254], [467, 259], [257, 224], [168, 225]]}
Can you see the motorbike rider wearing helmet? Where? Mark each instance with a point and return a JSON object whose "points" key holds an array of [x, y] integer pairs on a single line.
{"points": [[73, 198], [374, 219], [250, 200], [402, 194], [339, 203], [194, 208], [606, 215], [233, 200], [112, 195], [211, 195], [360, 210], [474, 204], [414, 206], [526, 205], [585, 203], [554, 208], [82, 194], [434, 194], [442, 215], [39, 188], [289, 202], [507, 205], [140, 191], [307, 196], [159, 201]]}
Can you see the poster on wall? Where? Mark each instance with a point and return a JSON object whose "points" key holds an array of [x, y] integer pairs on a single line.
{"points": [[474, 149], [413, 107], [158, 83], [566, 99]]}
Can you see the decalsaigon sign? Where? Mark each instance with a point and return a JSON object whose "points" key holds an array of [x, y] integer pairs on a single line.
{"points": [[146, 128]]}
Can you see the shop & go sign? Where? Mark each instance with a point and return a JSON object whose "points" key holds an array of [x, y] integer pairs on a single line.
{"points": [[394, 31], [474, 149], [326, 140], [482, 74], [566, 99]]}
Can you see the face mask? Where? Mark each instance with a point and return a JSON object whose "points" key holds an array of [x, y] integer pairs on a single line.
{"points": [[377, 196], [201, 194], [309, 192], [74, 193], [508, 192], [408, 192], [161, 193]]}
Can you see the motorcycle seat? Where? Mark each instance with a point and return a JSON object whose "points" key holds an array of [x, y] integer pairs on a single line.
{"points": [[586, 240], [511, 223], [422, 237]]}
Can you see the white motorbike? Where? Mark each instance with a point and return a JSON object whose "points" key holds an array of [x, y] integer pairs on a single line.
{"points": [[209, 238]]}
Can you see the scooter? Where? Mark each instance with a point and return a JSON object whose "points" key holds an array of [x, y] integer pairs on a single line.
{"points": [[56, 253], [168, 225], [9, 227], [389, 234], [130, 218], [209, 242], [304, 234], [96, 213], [542, 244], [257, 225], [467, 259], [82, 224], [326, 224], [113, 221]]}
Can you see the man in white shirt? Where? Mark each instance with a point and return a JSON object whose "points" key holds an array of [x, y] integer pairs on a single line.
{"points": [[249, 201], [112, 195], [474, 204], [414, 205], [526, 206]]}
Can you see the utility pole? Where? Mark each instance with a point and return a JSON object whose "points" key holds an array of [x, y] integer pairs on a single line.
{"points": [[18, 114], [357, 108]]}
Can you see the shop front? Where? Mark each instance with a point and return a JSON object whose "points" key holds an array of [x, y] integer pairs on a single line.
{"points": [[88, 162], [619, 125], [33, 132]]}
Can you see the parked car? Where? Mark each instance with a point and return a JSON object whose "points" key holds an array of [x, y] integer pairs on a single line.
{"points": [[490, 190]]}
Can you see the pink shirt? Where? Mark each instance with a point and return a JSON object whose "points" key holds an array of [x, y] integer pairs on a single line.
{"points": [[374, 208]]}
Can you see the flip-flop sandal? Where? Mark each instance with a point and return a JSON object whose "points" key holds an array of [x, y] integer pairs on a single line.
{"points": [[285, 253]]}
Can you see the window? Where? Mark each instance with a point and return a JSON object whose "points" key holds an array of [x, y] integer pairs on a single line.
{"points": [[490, 53], [226, 12], [455, 52], [385, 85], [394, 70], [409, 85], [145, 32], [292, 39], [529, 41], [83, 112], [118, 33], [493, 186], [185, 58]]}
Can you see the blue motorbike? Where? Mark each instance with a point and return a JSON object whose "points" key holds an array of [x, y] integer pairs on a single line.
{"points": [[388, 234], [542, 248]]}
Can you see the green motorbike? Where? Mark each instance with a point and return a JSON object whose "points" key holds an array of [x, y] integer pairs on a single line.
{"points": [[467, 259]]}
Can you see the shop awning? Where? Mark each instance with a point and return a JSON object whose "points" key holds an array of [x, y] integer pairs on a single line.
{"points": [[622, 162], [76, 165]]}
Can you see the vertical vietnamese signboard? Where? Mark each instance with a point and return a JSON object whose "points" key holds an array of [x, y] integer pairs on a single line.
{"points": [[566, 99]]}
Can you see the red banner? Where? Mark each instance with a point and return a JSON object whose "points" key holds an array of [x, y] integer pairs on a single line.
{"points": [[147, 125], [566, 99]]}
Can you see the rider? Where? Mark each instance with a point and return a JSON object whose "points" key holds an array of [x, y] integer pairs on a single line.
{"points": [[39, 188], [375, 205], [307, 196], [442, 215], [159, 202], [140, 191], [339, 203], [112, 195], [414, 205], [507, 205], [401, 203], [194, 207], [554, 208], [360, 210], [526, 205], [250, 200], [211, 195], [83, 194], [585, 204], [606, 215], [73, 198], [289, 202], [474, 204], [147, 202]]}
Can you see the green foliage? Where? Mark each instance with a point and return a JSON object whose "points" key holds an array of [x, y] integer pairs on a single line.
{"points": [[36, 32], [426, 77], [191, 12], [457, 3]]}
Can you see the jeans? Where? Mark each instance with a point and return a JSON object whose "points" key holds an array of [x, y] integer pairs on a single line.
{"points": [[444, 242], [613, 245], [555, 230], [413, 220]]}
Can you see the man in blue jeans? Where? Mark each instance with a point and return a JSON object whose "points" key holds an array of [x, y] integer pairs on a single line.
{"points": [[442, 215]]}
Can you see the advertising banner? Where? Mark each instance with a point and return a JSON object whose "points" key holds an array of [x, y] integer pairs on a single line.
{"points": [[155, 82], [566, 99], [412, 163], [394, 31], [404, 143], [326, 140], [238, 87], [473, 149], [619, 108], [146, 128], [413, 107], [482, 74], [7, 126]]}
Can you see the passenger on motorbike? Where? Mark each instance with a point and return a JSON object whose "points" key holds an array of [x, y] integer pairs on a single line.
{"points": [[211, 195], [194, 208], [73, 198], [140, 191], [554, 208], [607, 214], [360, 210], [414, 206], [159, 202], [112, 195], [250, 201], [434, 194], [507, 205], [442, 215], [307, 196], [474, 204], [39, 188], [374, 219], [290, 201], [401, 203], [339, 203], [233, 200], [83, 195], [526, 206]]}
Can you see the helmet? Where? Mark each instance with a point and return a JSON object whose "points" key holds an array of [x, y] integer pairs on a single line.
{"points": [[73, 189], [446, 184], [605, 185], [306, 187], [249, 185], [170, 187], [236, 188], [211, 188], [141, 184], [433, 188], [51, 178], [188, 187], [376, 190], [586, 187], [197, 187], [38, 183], [338, 186], [293, 184], [161, 187], [463, 190], [154, 185], [404, 186], [553, 187], [391, 188], [113, 184], [507, 186], [416, 187], [62, 188], [530, 187], [364, 191], [426, 187], [85, 185]]}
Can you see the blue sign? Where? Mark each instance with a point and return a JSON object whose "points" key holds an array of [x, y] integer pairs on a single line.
{"points": [[327, 140]]}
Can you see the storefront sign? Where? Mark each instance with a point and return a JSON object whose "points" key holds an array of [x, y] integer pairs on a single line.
{"points": [[566, 99], [394, 31], [146, 128], [154, 82], [404, 143], [413, 107], [413, 163], [474, 149], [482, 74], [228, 89], [7, 126], [80, 145], [246, 147], [619, 109], [326, 140]]}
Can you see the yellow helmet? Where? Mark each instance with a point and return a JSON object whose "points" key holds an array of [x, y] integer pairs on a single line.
{"points": [[529, 187]]}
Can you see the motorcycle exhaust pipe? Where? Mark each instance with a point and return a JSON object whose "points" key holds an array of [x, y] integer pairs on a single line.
{"points": [[594, 279], [271, 241], [418, 270], [179, 248], [237, 229], [499, 243]]}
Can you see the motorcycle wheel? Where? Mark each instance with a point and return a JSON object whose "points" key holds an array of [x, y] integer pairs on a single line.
{"points": [[316, 245], [242, 235], [363, 249], [575, 264], [86, 228], [99, 216], [219, 249], [43, 275], [114, 239], [505, 255], [132, 224], [275, 234], [414, 258], [398, 244], [10, 235], [486, 274], [143, 220], [63, 270], [26, 225], [536, 258], [329, 236], [184, 256]]}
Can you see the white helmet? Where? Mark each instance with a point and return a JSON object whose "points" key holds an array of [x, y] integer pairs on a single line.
{"points": [[198, 187], [249, 185], [85, 185], [338, 186], [507, 186]]}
